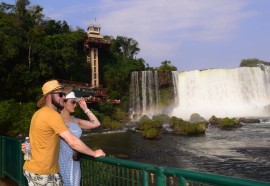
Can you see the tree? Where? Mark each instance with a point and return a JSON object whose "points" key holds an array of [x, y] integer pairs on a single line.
{"points": [[166, 65], [252, 62], [35, 29], [55, 27], [128, 46], [27, 57]]}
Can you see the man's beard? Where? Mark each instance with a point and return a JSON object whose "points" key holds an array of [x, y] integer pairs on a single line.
{"points": [[57, 104]]}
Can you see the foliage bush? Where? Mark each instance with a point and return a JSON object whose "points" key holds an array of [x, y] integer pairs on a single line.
{"points": [[120, 116], [108, 123], [214, 120], [8, 114], [15, 117], [151, 128], [26, 112], [162, 118], [105, 108], [224, 123], [166, 65], [115, 125], [190, 129], [229, 123], [176, 120], [142, 122], [253, 62], [181, 127], [151, 133], [249, 62]]}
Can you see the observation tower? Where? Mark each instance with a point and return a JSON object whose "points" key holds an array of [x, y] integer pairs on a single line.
{"points": [[93, 92], [94, 43]]}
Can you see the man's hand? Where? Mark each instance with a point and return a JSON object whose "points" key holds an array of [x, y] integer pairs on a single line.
{"points": [[99, 153], [24, 145]]}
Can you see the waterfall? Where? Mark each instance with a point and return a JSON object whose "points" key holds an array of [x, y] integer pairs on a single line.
{"points": [[134, 93], [157, 90], [240, 92], [145, 93], [175, 86]]}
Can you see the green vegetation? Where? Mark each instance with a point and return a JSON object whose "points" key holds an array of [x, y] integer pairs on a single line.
{"points": [[145, 123], [15, 117], [162, 118], [254, 62], [108, 123], [181, 127], [151, 133], [225, 123], [34, 49], [152, 128], [166, 65]]}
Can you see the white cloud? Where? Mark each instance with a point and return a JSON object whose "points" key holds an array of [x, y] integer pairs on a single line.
{"points": [[155, 18], [161, 25], [163, 28]]}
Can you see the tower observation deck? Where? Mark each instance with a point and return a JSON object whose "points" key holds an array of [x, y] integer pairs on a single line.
{"points": [[92, 45]]}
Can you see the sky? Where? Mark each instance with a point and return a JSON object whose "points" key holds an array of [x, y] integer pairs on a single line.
{"points": [[192, 34]]}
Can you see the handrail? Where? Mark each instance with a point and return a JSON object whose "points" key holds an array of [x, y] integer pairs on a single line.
{"points": [[114, 171], [12, 160], [182, 176]]}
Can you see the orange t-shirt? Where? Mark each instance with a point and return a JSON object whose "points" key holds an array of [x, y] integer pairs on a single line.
{"points": [[46, 124]]}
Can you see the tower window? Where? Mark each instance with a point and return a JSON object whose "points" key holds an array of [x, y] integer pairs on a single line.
{"points": [[88, 59]]}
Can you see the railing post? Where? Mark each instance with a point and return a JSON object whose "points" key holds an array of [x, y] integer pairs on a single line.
{"points": [[182, 181], [161, 178], [145, 178]]}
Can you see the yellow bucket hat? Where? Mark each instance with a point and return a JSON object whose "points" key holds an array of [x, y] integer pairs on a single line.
{"points": [[47, 88]]}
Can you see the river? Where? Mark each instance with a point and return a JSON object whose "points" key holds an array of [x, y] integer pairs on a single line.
{"points": [[243, 152]]}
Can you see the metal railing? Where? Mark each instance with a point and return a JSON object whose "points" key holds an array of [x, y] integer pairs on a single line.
{"points": [[11, 162], [119, 172], [109, 171]]}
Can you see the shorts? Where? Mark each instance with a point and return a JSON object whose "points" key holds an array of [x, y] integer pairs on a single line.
{"points": [[43, 179]]}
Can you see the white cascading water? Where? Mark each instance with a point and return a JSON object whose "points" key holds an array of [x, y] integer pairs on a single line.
{"points": [[134, 93], [175, 86], [144, 93], [239, 92]]}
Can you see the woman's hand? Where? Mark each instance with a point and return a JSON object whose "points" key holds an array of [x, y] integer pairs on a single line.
{"points": [[82, 104]]}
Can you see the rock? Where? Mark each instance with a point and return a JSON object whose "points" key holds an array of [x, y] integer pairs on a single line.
{"points": [[249, 120], [196, 118]]}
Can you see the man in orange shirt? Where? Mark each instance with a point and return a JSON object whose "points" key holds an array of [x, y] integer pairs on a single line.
{"points": [[47, 126]]}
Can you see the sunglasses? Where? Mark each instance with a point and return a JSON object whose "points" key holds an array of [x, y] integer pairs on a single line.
{"points": [[73, 102], [60, 94]]}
